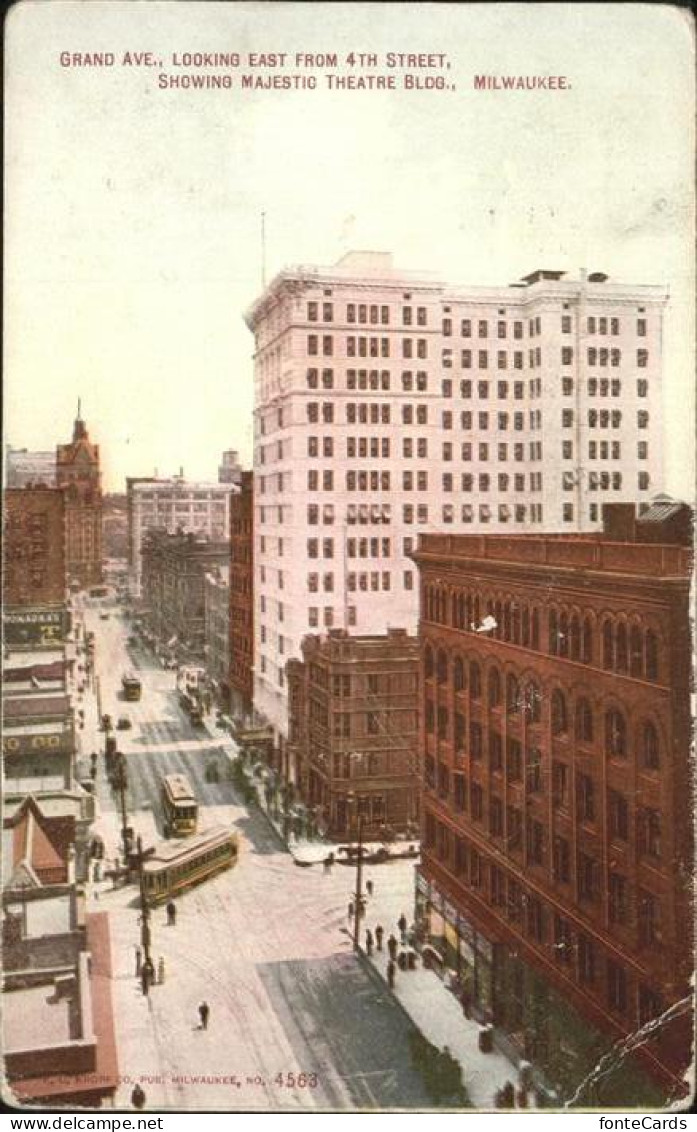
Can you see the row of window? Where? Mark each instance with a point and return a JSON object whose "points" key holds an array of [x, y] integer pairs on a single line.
{"points": [[367, 346], [380, 381], [380, 413], [450, 725], [503, 821], [631, 650], [544, 926], [604, 418]]}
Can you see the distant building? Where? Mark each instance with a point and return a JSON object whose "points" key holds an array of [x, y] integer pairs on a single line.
{"points": [[217, 631], [174, 573], [353, 731], [242, 595], [115, 526], [389, 403], [230, 470], [34, 547], [78, 471], [173, 505], [24, 468], [557, 854]]}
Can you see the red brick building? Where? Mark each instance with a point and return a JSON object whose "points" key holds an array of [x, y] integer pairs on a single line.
{"points": [[353, 730], [557, 852], [242, 593], [34, 547], [77, 470]]}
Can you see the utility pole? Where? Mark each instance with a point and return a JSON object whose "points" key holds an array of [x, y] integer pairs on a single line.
{"points": [[359, 883], [144, 909], [121, 777]]}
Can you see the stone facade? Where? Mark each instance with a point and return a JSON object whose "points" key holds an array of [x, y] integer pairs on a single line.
{"points": [[389, 403]]}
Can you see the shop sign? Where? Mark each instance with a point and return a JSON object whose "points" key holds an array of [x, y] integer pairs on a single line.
{"points": [[36, 627], [52, 744]]}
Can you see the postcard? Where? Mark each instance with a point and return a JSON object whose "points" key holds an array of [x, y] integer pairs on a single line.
{"points": [[349, 484]]}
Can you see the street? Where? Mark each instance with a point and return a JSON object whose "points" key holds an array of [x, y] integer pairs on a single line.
{"points": [[297, 1021]]}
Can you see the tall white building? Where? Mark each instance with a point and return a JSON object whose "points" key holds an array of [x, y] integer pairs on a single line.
{"points": [[172, 505], [390, 403]]}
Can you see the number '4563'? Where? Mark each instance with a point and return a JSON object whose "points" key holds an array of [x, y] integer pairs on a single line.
{"points": [[296, 1080]]}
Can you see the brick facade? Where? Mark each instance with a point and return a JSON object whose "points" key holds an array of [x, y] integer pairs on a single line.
{"points": [[353, 730], [557, 848]]}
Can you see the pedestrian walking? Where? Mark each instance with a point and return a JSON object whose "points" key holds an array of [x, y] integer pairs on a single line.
{"points": [[138, 1097], [171, 913], [391, 972], [203, 1013], [369, 887], [139, 961], [369, 942], [402, 925], [149, 969], [350, 911], [379, 933], [392, 947], [160, 970]]}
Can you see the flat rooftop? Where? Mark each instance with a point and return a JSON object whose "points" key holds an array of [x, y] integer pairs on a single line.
{"points": [[34, 1016], [42, 915], [592, 553]]}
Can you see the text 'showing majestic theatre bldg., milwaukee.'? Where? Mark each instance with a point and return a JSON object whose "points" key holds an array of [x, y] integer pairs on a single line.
{"points": [[556, 874], [389, 403]]}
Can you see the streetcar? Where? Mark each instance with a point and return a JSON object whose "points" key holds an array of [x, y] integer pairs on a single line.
{"points": [[179, 805], [174, 867], [131, 686]]}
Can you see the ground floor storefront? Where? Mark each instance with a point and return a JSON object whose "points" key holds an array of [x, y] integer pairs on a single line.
{"points": [[532, 1021]]}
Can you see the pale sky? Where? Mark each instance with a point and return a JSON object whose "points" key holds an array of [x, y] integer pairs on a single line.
{"points": [[133, 212]]}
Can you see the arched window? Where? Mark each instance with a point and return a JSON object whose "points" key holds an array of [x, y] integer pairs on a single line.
{"points": [[584, 722], [607, 645], [650, 748], [470, 612], [507, 621], [615, 735], [575, 638], [475, 610], [442, 667], [498, 614], [553, 632], [651, 656], [475, 681], [563, 635], [458, 674], [560, 723], [621, 651], [526, 627], [636, 652], [428, 662], [588, 641], [533, 703], [512, 695], [515, 629], [494, 688], [535, 629]]}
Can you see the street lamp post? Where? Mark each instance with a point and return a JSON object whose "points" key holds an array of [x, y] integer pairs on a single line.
{"points": [[144, 909], [121, 780]]}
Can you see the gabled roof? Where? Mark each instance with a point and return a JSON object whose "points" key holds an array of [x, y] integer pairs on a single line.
{"points": [[40, 846]]}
